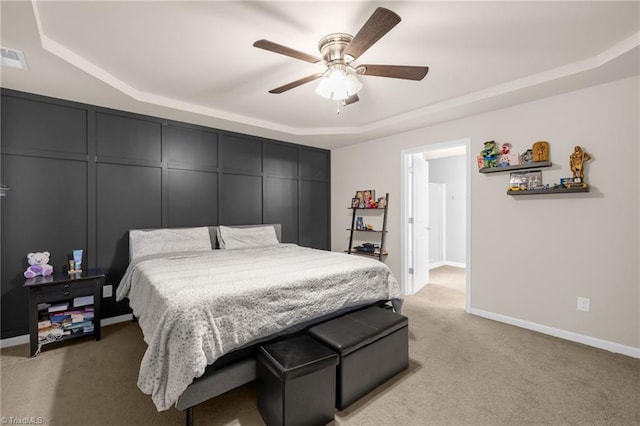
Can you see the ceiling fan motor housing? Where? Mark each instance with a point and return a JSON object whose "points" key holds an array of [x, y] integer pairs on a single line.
{"points": [[332, 48]]}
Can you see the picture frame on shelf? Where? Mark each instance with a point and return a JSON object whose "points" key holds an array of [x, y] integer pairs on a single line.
{"points": [[355, 203]]}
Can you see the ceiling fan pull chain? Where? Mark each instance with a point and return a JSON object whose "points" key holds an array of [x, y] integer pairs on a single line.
{"points": [[338, 103]]}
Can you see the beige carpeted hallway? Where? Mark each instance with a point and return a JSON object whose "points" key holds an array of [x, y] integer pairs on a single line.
{"points": [[464, 370]]}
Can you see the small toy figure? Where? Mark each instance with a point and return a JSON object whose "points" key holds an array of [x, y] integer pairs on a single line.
{"points": [[503, 160], [38, 265], [490, 149], [491, 161], [506, 147], [541, 151], [489, 153], [576, 163]]}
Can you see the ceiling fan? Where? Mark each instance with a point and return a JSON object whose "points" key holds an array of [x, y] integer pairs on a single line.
{"points": [[339, 51]]}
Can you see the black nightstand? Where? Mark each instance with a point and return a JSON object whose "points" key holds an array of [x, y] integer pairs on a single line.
{"points": [[63, 307]]}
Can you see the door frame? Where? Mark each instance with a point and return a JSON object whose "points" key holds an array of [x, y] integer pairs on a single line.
{"points": [[405, 212]]}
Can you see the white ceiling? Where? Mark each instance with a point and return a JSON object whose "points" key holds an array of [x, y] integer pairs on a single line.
{"points": [[194, 61]]}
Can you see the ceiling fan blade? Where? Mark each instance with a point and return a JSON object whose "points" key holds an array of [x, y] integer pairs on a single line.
{"points": [[284, 50], [351, 99], [380, 22], [296, 83], [394, 71]]}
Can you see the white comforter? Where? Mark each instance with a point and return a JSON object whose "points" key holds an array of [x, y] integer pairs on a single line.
{"points": [[194, 307]]}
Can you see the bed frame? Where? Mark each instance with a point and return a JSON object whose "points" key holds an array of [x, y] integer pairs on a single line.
{"points": [[239, 367]]}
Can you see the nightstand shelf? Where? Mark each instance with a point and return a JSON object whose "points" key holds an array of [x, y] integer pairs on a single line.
{"points": [[69, 303]]}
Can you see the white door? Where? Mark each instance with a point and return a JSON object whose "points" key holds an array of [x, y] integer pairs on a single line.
{"points": [[436, 224], [420, 221]]}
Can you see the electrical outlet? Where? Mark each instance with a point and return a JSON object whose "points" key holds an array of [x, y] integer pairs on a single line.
{"points": [[584, 304], [107, 291]]}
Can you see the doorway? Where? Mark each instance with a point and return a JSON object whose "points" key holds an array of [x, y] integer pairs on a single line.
{"points": [[437, 225], [436, 211]]}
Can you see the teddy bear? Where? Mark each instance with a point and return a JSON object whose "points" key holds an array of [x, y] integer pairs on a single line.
{"points": [[38, 265]]}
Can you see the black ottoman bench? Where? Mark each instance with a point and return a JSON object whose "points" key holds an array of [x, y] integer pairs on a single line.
{"points": [[296, 382], [373, 344]]}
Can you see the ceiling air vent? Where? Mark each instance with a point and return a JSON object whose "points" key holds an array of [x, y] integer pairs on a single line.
{"points": [[13, 58]]}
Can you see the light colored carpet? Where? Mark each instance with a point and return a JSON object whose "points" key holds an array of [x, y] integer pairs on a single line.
{"points": [[464, 370]]}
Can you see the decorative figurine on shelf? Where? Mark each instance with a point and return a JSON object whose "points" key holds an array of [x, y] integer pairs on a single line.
{"points": [[526, 157], [576, 163], [38, 265], [490, 149], [359, 222], [382, 203], [541, 151], [503, 157], [489, 154]]}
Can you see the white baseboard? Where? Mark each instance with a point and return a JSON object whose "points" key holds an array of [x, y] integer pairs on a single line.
{"points": [[114, 320], [456, 264], [24, 339], [563, 334], [14, 341]]}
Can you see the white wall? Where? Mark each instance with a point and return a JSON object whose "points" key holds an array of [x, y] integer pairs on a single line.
{"points": [[532, 256], [452, 171]]}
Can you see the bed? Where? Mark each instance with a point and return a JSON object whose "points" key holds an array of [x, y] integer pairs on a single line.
{"points": [[205, 297]]}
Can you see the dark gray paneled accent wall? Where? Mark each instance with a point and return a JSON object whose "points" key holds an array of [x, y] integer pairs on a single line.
{"points": [[280, 205], [46, 214], [193, 197], [128, 138], [313, 214], [81, 176]]}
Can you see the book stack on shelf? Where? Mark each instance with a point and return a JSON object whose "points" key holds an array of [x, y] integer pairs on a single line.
{"points": [[59, 320]]}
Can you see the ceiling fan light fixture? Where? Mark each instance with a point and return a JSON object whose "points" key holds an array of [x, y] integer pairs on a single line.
{"points": [[338, 85], [338, 78]]}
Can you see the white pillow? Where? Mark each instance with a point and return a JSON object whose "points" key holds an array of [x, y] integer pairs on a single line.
{"points": [[259, 236], [143, 243]]}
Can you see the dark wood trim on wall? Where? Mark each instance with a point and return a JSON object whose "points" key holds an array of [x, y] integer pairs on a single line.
{"points": [[81, 176]]}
